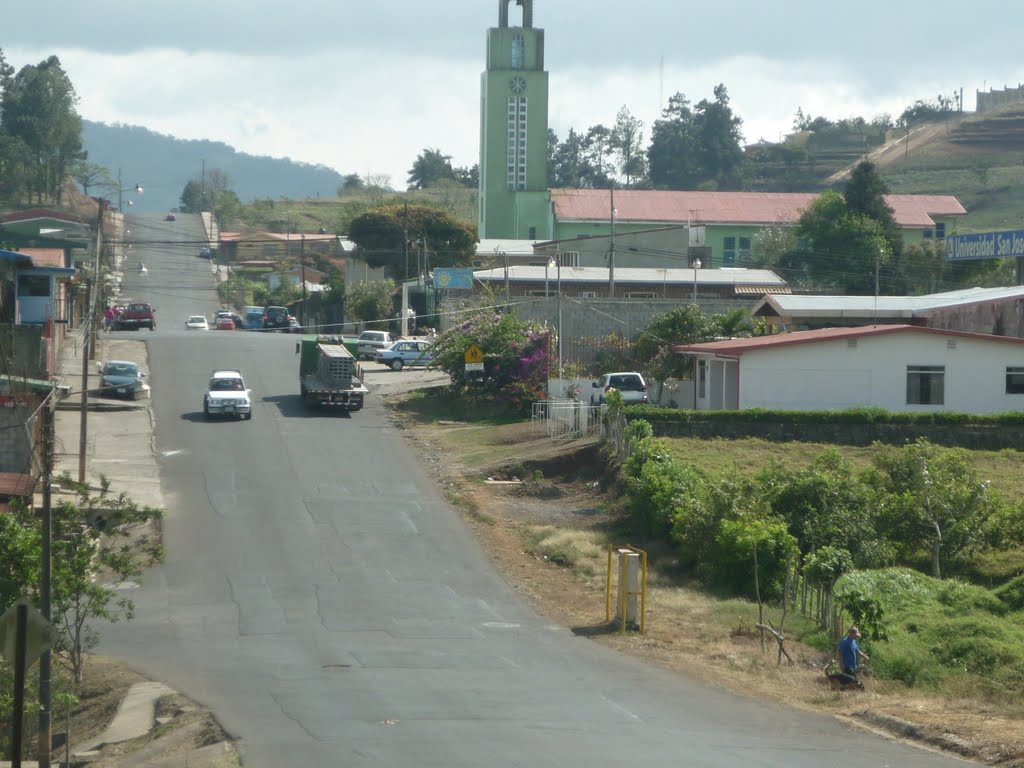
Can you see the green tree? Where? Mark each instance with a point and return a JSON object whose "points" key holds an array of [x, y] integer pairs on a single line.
{"points": [[92, 175], [718, 136], [597, 147], [351, 183], [932, 498], [838, 250], [97, 540], [626, 141], [468, 177], [682, 325], [380, 235], [569, 166], [430, 167], [731, 323], [770, 246], [370, 302], [202, 193], [672, 155], [865, 194], [39, 108]]}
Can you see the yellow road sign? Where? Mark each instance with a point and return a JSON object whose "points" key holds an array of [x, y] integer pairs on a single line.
{"points": [[474, 354]]}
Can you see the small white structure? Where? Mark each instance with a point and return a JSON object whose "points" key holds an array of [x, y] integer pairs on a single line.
{"points": [[895, 367]]}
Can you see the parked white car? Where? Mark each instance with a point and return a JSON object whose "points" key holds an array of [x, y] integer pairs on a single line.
{"points": [[630, 384], [371, 342], [227, 395], [406, 352]]}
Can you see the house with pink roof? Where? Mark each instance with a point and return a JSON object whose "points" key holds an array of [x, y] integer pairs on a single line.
{"points": [[716, 227]]}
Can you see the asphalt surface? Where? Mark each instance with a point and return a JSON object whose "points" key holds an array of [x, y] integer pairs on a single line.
{"points": [[327, 604]]}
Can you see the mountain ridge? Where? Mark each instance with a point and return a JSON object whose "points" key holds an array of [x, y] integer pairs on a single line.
{"points": [[163, 164]]}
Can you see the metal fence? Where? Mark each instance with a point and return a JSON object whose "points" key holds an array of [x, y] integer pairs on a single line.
{"points": [[566, 419]]}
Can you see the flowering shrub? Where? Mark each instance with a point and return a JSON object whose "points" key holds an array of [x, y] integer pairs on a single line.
{"points": [[516, 359]]}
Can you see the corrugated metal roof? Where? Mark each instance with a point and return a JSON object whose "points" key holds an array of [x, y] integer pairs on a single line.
{"points": [[913, 211], [890, 306], [646, 275], [737, 347], [491, 247]]}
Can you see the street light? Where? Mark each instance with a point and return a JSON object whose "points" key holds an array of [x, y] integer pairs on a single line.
{"points": [[696, 265]]}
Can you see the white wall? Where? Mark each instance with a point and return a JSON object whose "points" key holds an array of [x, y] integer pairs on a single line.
{"points": [[834, 375]]}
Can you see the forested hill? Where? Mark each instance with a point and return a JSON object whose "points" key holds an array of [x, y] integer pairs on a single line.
{"points": [[163, 164]]}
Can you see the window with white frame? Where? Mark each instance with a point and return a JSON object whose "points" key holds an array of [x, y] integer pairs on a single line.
{"points": [[570, 258], [926, 384], [586, 294]]}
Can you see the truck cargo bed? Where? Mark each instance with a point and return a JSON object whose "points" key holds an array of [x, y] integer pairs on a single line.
{"points": [[317, 392]]}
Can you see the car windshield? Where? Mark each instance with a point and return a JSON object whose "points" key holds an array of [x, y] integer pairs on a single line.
{"points": [[197, 319], [371, 336], [138, 307], [626, 382], [120, 369], [227, 385]]}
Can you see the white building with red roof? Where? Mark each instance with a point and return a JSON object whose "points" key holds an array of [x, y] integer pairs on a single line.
{"points": [[895, 367]]}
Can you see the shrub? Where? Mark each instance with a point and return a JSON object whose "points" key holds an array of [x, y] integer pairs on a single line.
{"points": [[732, 564], [1012, 594]]}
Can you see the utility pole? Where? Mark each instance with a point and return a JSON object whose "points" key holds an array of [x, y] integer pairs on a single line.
{"points": [[405, 237], [611, 252], [302, 262], [45, 588], [878, 259]]}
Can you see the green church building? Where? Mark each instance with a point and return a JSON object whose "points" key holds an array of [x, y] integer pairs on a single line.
{"points": [[514, 200]]}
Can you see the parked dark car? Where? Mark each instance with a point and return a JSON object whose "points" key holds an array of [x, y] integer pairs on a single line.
{"points": [[275, 318]]}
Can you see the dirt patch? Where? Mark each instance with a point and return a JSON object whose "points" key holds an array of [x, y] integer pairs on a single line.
{"points": [[683, 632]]}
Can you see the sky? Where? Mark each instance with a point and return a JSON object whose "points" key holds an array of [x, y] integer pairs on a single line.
{"points": [[363, 86]]}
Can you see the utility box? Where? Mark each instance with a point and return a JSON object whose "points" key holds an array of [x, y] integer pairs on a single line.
{"points": [[628, 597]]}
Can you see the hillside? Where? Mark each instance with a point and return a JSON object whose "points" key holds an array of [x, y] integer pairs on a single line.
{"points": [[164, 164]]}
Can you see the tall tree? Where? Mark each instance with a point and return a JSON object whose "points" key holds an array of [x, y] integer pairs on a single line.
{"points": [[598, 145], [626, 141], [672, 154], [865, 194], [431, 167], [717, 136], [39, 107], [569, 167]]}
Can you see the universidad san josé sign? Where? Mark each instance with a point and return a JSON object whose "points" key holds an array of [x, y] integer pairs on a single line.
{"points": [[986, 245]]}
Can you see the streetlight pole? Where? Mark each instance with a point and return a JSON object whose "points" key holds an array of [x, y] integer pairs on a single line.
{"points": [[696, 265], [302, 262]]}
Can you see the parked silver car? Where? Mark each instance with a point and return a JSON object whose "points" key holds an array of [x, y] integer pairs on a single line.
{"points": [[406, 352]]}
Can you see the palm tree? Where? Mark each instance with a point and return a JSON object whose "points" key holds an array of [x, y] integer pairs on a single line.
{"points": [[735, 322], [430, 167]]}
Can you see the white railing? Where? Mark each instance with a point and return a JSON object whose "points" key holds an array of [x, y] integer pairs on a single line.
{"points": [[566, 419]]}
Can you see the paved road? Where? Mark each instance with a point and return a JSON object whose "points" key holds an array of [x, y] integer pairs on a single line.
{"points": [[321, 597]]}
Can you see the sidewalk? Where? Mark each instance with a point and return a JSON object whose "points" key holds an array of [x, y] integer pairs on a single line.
{"points": [[119, 433]]}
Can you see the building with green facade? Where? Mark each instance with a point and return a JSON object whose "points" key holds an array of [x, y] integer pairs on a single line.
{"points": [[514, 200], [717, 227]]}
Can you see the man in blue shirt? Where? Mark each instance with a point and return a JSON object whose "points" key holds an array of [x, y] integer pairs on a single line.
{"points": [[849, 651]]}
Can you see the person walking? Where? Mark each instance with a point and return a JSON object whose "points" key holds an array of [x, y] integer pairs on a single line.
{"points": [[108, 318], [850, 652]]}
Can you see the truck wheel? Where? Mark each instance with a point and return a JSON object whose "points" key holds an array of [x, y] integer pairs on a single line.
{"points": [[396, 364], [152, 326]]}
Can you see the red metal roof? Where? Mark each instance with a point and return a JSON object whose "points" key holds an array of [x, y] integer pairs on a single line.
{"points": [[45, 257], [16, 484], [737, 347], [728, 207], [39, 213]]}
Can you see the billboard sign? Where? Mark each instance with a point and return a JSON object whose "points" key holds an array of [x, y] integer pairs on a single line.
{"points": [[986, 245], [448, 278]]}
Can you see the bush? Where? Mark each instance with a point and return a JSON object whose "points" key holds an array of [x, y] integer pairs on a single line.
{"points": [[732, 565], [1012, 594]]}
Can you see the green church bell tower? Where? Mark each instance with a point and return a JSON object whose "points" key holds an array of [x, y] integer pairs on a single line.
{"points": [[514, 201]]}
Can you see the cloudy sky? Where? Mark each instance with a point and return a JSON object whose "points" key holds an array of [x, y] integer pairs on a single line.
{"points": [[363, 86]]}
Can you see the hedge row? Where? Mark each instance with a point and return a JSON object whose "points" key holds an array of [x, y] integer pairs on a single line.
{"points": [[656, 414]]}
